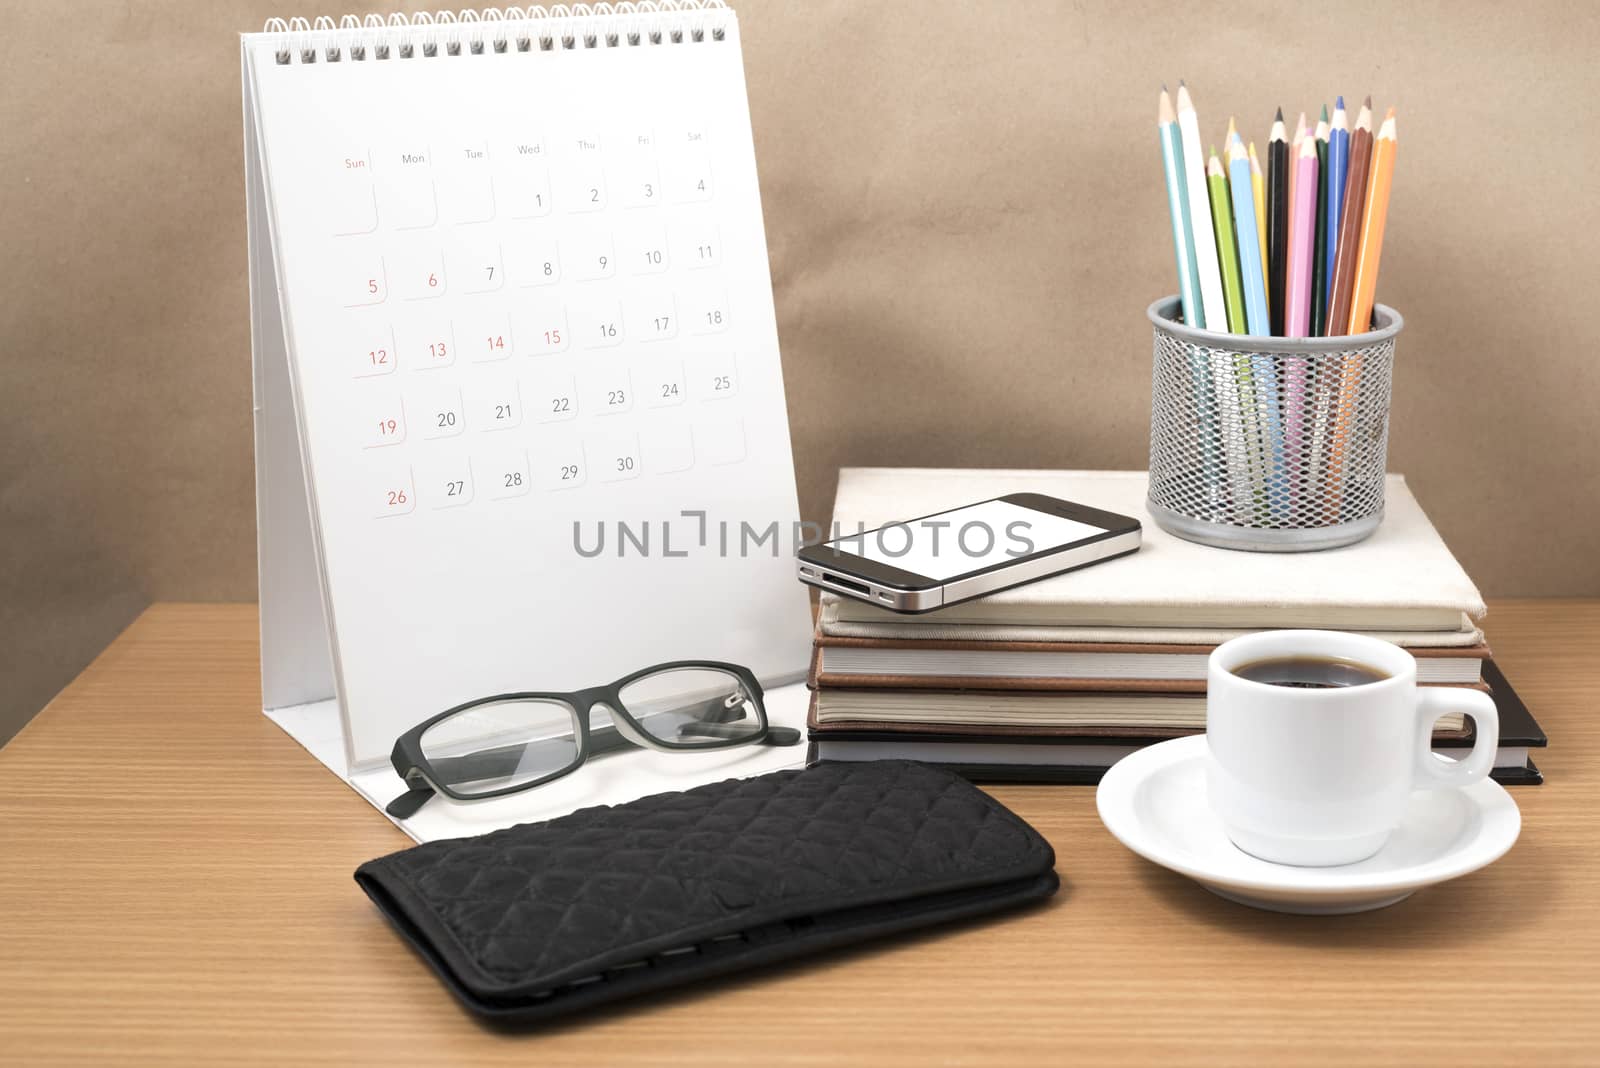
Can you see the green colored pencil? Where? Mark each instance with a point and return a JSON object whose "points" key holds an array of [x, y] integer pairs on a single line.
{"points": [[1238, 323], [1227, 253]]}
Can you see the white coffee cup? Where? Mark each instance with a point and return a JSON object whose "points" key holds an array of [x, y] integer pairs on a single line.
{"points": [[1318, 777]]}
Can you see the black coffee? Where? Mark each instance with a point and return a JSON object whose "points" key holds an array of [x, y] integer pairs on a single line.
{"points": [[1309, 672]]}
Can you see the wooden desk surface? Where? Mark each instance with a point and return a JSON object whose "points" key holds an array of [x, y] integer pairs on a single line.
{"points": [[175, 886]]}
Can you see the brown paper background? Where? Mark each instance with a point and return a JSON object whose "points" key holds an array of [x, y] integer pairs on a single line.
{"points": [[966, 221]]}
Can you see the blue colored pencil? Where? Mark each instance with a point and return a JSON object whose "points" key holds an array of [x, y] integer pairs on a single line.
{"points": [[1178, 207], [1251, 269], [1254, 282], [1183, 249], [1338, 170]]}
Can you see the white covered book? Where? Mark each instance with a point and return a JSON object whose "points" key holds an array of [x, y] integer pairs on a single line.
{"points": [[1401, 583]]}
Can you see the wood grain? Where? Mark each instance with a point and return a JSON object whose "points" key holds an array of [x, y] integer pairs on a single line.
{"points": [[175, 886]]}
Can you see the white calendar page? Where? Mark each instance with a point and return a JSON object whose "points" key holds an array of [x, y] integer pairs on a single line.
{"points": [[526, 301]]}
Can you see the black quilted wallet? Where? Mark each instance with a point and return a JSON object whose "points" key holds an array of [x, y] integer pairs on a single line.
{"points": [[543, 919]]}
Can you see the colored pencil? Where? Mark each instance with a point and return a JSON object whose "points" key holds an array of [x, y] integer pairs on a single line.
{"points": [[1294, 154], [1297, 302], [1213, 308], [1245, 188], [1227, 254], [1333, 181], [1339, 306], [1374, 216], [1250, 387], [1355, 191], [1178, 207], [1188, 276], [1334, 174], [1249, 481], [1319, 276], [1277, 220], [1297, 313], [1244, 184], [1258, 188]]}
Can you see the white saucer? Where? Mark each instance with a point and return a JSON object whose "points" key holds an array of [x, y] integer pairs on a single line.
{"points": [[1154, 802]]}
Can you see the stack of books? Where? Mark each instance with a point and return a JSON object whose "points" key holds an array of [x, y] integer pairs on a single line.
{"points": [[1057, 680]]}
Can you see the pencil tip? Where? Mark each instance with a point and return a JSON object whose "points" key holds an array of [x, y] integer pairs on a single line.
{"points": [[1279, 116], [1324, 113], [1181, 83], [1163, 87], [1338, 102], [1367, 103], [1390, 113]]}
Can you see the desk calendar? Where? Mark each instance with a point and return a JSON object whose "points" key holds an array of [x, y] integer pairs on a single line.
{"points": [[510, 302]]}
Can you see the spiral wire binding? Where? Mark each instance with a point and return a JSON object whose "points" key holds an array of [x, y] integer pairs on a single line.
{"points": [[568, 27]]}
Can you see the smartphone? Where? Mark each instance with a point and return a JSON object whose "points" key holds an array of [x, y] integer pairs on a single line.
{"points": [[949, 557]]}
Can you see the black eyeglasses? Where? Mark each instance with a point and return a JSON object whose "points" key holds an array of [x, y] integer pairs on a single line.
{"points": [[515, 741]]}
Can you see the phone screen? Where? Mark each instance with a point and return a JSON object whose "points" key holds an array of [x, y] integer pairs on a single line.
{"points": [[964, 540]]}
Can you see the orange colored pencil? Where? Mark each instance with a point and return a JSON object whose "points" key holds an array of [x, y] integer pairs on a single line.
{"points": [[1373, 219]]}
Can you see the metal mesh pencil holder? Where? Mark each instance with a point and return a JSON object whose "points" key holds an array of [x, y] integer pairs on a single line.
{"points": [[1267, 443]]}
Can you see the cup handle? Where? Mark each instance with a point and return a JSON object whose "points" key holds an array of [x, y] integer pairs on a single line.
{"points": [[1436, 701]]}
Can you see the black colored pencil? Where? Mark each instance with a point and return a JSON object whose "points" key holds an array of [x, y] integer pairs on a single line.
{"points": [[1277, 222], [1319, 249]]}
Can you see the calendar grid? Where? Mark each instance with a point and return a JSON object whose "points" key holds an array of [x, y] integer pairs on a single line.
{"points": [[413, 226], [524, 288]]}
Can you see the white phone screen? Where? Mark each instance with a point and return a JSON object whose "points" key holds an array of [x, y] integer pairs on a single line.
{"points": [[966, 539]]}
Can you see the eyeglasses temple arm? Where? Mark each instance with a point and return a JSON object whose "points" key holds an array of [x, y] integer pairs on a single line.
{"points": [[774, 735], [406, 805]]}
